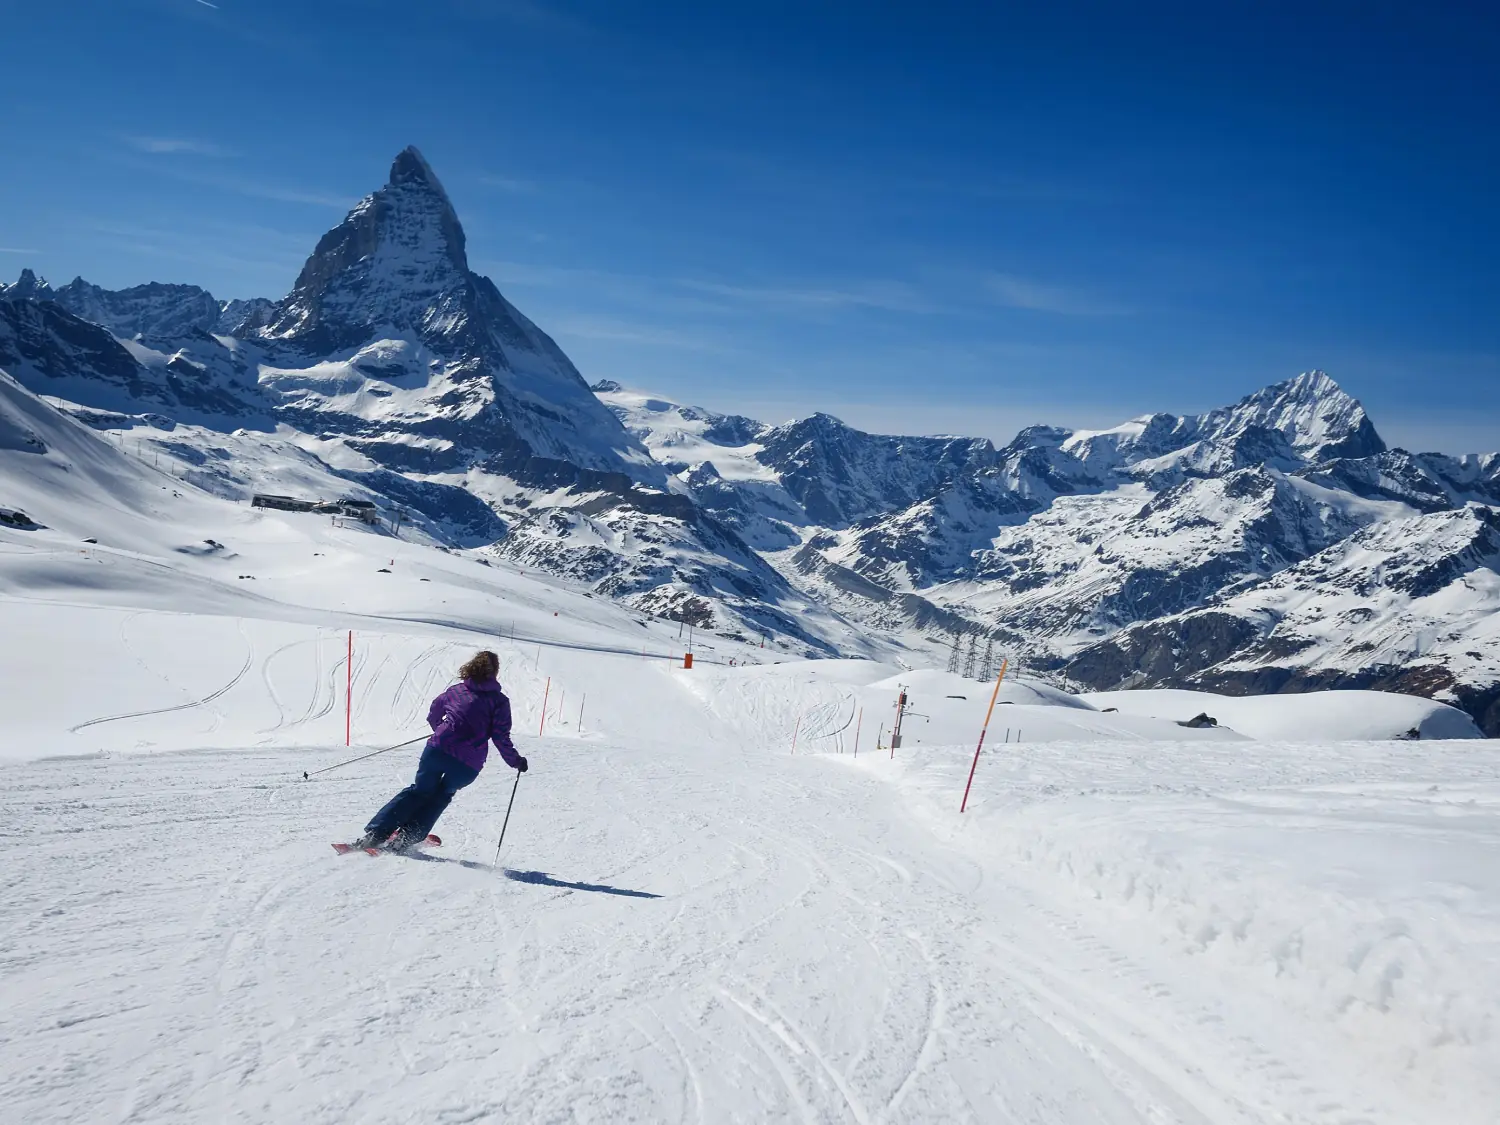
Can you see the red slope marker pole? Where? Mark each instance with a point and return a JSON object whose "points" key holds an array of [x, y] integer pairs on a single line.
{"points": [[795, 729], [349, 690], [994, 696], [545, 696]]}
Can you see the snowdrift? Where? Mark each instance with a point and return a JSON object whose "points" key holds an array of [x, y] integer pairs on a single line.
{"points": [[1310, 717]]}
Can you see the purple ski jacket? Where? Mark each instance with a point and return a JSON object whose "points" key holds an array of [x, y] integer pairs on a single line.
{"points": [[466, 717]]}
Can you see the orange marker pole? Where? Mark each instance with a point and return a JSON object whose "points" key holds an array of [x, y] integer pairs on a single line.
{"points": [[994, 696], [546, 695], [857, 724], [795, 729]]}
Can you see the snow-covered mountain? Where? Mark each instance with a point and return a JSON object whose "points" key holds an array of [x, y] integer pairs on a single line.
{"points": [[1407, 605], [389, 338], [1303, 421], [392, 371], [1062, 539], [150, 310]]}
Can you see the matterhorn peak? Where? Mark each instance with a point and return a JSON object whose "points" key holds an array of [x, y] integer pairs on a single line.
{"points": [[411, 167], [396, 261]]}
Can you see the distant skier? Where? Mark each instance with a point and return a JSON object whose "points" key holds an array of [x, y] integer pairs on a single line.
{"points": [[464, 720]]}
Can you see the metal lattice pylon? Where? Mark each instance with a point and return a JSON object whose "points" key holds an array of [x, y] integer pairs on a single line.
{"points": [[958, 639], [971, 656], [988, 672]]}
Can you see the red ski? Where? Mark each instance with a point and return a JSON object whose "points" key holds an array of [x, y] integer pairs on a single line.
{"points": [[345, 849]]}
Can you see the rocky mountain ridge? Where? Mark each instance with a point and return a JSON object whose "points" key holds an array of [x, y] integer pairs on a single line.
{"points": [[1068, 546], [145, 311]]}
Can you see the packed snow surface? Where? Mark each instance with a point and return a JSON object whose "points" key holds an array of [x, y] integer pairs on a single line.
{"points": [[1316, 715], [722, 896]]}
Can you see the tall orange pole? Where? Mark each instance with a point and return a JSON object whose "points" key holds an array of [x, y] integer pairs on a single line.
{"points": [[795, 729], [857, 724], [545, 696], [994, 696]]}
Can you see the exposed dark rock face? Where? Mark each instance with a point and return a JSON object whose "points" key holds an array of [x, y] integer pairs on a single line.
{"points": [[149, 311], [1162, 652], [841, 475], [1315, 625], [664, 556], [1428, 482]]}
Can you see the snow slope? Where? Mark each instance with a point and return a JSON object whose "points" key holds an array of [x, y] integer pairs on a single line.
{"points": [[690, 922], [1135, 922], [1370, 715]]}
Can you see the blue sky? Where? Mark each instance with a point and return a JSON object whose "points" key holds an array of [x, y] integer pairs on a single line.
{"points": [[919, 217]]}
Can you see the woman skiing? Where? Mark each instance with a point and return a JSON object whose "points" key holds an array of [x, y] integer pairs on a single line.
{"points": [[464, 720]]}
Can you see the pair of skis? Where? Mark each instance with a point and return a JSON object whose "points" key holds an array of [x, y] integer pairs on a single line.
{"points": [[345, 849]]}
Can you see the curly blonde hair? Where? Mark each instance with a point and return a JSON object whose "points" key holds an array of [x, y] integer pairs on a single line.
{"points": [[481, 666]]}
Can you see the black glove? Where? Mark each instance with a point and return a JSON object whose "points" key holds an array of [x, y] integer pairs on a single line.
{"points": [[522, 767]]}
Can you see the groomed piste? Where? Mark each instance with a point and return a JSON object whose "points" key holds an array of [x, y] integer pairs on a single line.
{"points": [[723, 895]]}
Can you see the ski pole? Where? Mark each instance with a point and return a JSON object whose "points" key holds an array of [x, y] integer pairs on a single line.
{"points": [[506, 824], [362, 757]]}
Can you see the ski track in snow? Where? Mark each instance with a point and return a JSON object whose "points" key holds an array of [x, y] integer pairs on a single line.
{"points": [[210, 960], [186, 706]]}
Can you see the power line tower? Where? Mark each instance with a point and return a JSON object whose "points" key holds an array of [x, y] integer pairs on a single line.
{"points": [[971, 656], [958, 639], [989, 660]]}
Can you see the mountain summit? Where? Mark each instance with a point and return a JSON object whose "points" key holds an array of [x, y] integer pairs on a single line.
{"points": [[397, 261], [1287, 426], [1318, 418], [405, 335]]}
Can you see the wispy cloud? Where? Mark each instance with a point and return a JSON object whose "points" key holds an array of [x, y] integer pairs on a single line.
{"points": [[512, 184], [223, 178], [17, 250], [206, 4], [159, 146], [283, 194], [1038, 296], [621, 330], [722, 296], [262, 259], [891, 296]]}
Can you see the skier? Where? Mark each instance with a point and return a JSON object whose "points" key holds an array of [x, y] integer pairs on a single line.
{"points": [[464, 720]]}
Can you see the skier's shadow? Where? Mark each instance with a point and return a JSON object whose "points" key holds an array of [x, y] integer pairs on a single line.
{"points": [[539, 878], [542, 879]]}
